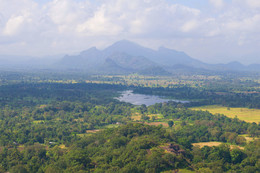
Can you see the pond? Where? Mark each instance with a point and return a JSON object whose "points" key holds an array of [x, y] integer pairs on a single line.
{"points": [[139, 99]]}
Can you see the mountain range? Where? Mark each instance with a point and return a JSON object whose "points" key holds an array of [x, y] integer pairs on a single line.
{"points": [[125, 57]]}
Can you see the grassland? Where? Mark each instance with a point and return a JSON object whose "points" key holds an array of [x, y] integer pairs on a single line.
{"points": [[248, 115], [249, 139], [159, 119], [137, 116], [38, 121], [212, 144]]}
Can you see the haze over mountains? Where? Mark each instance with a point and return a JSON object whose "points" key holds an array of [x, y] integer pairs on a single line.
{"points": [[124, 57], [128, 57]]}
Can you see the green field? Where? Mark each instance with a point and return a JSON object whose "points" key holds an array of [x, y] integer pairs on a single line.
{"points": [[246, 114], [212, 144]]}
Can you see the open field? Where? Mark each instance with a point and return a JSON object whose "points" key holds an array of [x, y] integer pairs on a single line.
{"points": [[92, 131], [249, 139], [212, 144], [158, 119], [246, 114], [38, 121], [112, 126], [63, 146], [137, 116]]}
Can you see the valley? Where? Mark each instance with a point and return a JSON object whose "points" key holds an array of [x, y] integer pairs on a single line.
{"points": [[54, 120], [140, 86]]}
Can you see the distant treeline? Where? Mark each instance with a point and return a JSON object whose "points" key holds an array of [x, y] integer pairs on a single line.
{"points": [[201, 97]]}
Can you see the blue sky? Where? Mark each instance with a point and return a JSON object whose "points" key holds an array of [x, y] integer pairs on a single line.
{"points": [[213, 31]]}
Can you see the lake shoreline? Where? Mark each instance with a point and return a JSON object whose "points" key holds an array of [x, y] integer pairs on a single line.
{"points": [[139, 99]]}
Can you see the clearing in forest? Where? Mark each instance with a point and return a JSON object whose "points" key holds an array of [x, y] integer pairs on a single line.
{"points": [[248, 138], [92, 131], [137, 116], [246, 114], [212, 144], [165, 124]]}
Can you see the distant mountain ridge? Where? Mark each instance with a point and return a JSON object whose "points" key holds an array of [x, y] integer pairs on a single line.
{"points": [[128, 57], [125, 57]]}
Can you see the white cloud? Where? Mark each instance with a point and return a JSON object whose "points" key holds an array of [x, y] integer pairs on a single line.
{"points": [[189, 26], [68, 19], [99, 24], [64, 26], [250, 3], [217, 3], [13, 25], [253, 3]]}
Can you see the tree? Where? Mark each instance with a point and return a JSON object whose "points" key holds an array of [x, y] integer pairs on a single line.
{"points": [[170, 123], [236, 156], [144, 117], [18, 169], [51, 169], [143, 108]]}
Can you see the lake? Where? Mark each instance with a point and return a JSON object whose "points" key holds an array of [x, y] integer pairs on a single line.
{"points": [[139, 99]]}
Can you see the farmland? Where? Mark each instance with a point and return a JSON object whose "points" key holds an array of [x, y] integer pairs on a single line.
{"points": [[245, 114]]}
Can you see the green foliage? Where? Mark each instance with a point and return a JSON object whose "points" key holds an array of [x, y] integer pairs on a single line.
{"points": [[236, 156], [170, 123], [42, 116], [208, 95], [224, 159], [18, 169], [145, 117], [205, 126]]}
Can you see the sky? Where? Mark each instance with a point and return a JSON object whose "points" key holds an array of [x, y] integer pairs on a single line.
{"points": [[213, 31]]}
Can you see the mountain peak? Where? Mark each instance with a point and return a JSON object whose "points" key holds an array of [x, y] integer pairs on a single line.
{"points": [[123, 44], [93, 48], [129, 56], [165, 49], [126, 47], [90, 51]]}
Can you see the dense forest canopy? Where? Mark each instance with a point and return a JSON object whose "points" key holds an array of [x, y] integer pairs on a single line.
{"points": [[58, 123]]}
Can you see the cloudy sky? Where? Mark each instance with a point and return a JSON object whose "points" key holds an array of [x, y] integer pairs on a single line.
{"points": [[209, 30]]}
